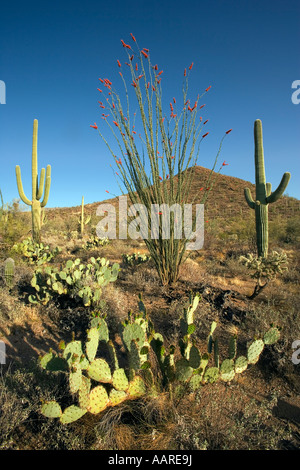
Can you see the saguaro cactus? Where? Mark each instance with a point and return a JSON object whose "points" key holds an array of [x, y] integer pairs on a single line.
{"points": [[82, 220], [264, 194], [37, 187]]}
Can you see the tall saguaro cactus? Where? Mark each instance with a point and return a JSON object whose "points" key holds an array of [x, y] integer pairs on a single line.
{"points": [[37, 187], [264, 194]]}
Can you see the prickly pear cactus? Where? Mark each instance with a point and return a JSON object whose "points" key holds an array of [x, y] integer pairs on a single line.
{"points": [[100, 383]]}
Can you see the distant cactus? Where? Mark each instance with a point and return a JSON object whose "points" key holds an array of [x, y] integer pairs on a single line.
{"points": [[9, 272], [82, 220], [37, 188], [264, 194]]}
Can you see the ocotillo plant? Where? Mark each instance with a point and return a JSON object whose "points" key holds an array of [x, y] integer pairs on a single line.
{"points": [[264, 194], [37, 187], [82, 221], [171, 144]]}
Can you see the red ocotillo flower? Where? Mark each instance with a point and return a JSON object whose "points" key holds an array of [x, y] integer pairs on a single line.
{"points": [[95, 126], [206, 121], [133, 37], [136, 66], [201, 189], [208, 88], [119, 63], [205, 135], [102, 81], [224, 163], [144, 54], [174, 100], [115, 123], [99, 90], [145, 49], [191, 66], [159, 73], [202, 106], [107, 191], [227, 132], [125, 45], [184, 73]]}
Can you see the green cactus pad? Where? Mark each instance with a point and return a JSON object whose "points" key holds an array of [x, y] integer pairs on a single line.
{"points": [[272, 336], [134, 356], [211, 375], [254, 351], [241, 364], [71, 414], [51, 409], [119, 380], [195, 357], [183, 370], [133, 331], [195, 382], [75, 378], [99, 370], [83, 394], [227, 371], [232, 348], [116, 397], [72, 351], [98, 400], [92, 343], [51, 361], [136, 387]]}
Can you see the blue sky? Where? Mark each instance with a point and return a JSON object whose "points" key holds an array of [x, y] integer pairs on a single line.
{"points": [[52, 54]]}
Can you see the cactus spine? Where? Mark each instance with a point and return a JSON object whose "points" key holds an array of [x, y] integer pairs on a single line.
{"points": [[37, 187], [264, 194]]}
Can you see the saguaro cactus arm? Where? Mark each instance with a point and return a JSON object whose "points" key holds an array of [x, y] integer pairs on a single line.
{"points": [[47, 186], [249, 198], [272, 197], [20, 187]]}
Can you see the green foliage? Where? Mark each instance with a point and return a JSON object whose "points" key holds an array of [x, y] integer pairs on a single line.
{"points": [[77, 280], [135, 259], [100, 383], [35, 253]]}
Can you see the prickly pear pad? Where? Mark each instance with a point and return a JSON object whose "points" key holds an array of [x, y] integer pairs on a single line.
{"points": [[98, 400]]}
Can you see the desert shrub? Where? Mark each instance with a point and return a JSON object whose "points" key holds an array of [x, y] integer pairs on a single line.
{"points": [[135, 259], [14, 224]]}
